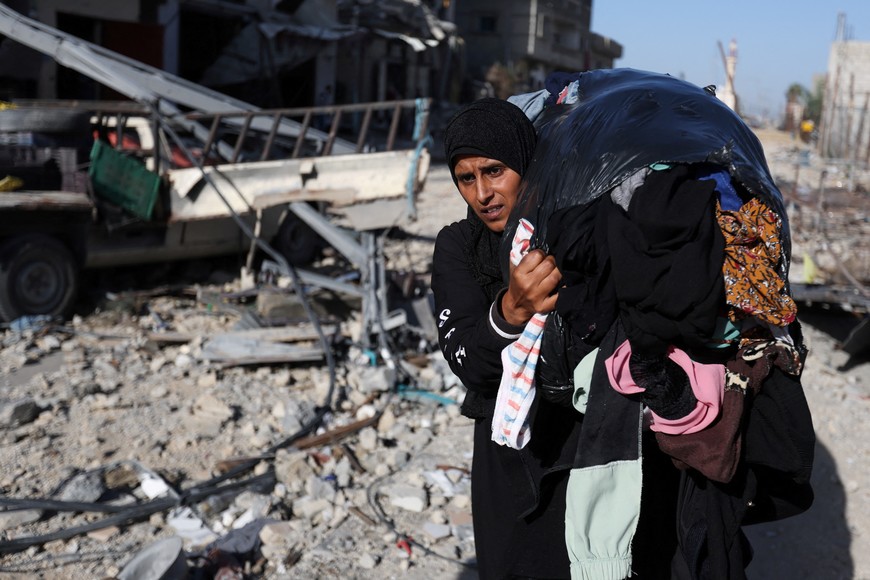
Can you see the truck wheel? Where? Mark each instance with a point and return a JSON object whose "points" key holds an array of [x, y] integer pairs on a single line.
{"points": [[297, 242], [38, 275]]}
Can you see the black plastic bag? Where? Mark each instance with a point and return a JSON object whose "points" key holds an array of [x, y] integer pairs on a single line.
{"points": [[626, 120]]}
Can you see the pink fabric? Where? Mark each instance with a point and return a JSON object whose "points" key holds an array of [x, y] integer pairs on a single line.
{"points": [[707, 381]]}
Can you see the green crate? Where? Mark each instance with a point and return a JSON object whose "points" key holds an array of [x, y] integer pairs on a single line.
{"points": [[123, 180]]}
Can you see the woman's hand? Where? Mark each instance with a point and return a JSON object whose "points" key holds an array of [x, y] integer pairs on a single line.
{"points": [[532, 287]]}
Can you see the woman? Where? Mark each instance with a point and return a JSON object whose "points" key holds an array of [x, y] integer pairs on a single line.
{"points": [[518, 496]]}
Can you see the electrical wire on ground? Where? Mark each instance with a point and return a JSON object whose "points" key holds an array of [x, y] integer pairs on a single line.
{"points": [[384, 519]]}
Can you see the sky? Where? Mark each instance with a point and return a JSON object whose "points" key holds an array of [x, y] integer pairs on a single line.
{"points": [[779, 43]]}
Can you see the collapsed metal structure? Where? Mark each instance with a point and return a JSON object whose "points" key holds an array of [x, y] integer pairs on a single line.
{"points": [[371, 188]]}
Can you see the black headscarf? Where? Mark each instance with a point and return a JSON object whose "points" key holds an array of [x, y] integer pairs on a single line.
{"points": [[492, 128], [499, 130]]}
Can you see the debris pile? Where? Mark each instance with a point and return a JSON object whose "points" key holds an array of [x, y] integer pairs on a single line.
{"points": [[829, 215], [172, 425], [141, 434]]}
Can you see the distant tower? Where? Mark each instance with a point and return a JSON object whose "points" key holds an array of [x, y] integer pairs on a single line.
{"points": [[727, 94]]}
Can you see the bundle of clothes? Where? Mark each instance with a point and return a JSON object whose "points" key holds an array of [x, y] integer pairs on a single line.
{"points": [[674, 317]]}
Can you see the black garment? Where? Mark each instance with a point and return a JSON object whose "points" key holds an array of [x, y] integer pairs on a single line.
{"points": [[655, 541], [667, 252], [667, 391], [518, 496], [518, 504], [771, 483], [463, 294], [577, 239], [481, 254]]}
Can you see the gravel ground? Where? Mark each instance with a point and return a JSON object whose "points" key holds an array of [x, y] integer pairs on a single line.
{"points": [[111, 410]]}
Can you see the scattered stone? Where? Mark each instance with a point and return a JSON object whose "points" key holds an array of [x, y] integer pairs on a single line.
{"points": [[438, 517], [292, 468], [436, 531], [211, 408], [82, 487], [183, 361], [104, 534], [460, 501], [366, 412], [367, 562], [11, 520], [18, 412], [440, 479], [276, 533], [157, 364], [48, 343], [206, 381], [386, 422], [408, 497], [192, 529], [379, 379], [368, 439], [308, 507]]}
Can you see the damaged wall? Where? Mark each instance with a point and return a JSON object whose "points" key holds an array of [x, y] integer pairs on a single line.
{"points": [[845, 122], [530, 40]]}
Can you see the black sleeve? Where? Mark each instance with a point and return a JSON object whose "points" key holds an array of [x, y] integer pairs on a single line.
{"points": [[471, 331]]}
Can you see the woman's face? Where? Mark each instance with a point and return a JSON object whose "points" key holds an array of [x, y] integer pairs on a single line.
{"points": [[489, 186]]}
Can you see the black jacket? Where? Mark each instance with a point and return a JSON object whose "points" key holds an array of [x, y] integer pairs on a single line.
{"points": [[518, 496]]}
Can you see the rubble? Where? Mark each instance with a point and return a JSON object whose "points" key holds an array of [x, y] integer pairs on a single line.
{"points": [[14, 413], [194, 427]]}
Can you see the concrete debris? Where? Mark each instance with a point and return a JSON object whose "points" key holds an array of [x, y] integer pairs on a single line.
{"points": [[12, 520], [407, 497], [82, 487], [367, 562], [135, 411], [190, 528], [440, 479], [436, 531], [104, 534], [19, 412]]}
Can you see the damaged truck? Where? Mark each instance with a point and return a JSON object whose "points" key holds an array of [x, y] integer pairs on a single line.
{"points": [[180, 172]]}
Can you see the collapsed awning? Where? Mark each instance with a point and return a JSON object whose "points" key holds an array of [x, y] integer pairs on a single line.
{"points": [[262, 48], [275, 40]]}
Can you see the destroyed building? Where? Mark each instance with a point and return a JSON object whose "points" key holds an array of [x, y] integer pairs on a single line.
{"points": [[517, 44], [271, 54], [283, 54], [845, 130]]}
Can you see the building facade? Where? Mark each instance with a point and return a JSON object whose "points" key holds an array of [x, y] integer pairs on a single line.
{"points": [[291, 53], [512, 45], [845, 124]]}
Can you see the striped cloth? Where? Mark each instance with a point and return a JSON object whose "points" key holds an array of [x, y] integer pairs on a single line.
{"points": [[516, 392]]}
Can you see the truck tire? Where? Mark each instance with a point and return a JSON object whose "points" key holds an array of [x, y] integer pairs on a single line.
{"points": [[298, 243], [38, 275]]}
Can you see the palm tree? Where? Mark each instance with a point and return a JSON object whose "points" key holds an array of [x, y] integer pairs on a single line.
{"points": [[796, 92]]}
